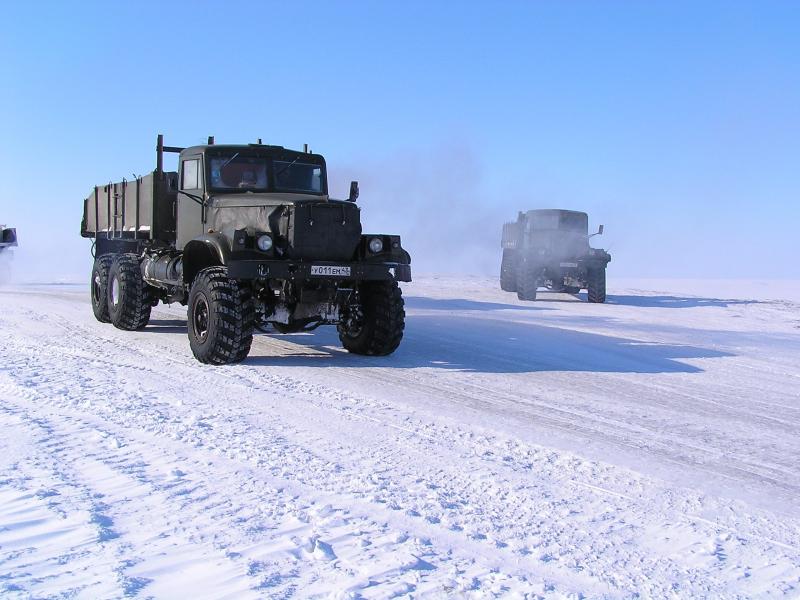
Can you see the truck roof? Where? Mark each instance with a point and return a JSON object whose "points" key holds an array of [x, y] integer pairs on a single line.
{"points": [[269, 148], [556, 211]]}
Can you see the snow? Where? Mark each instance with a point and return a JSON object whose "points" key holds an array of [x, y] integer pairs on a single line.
{"points": [[553, 449]]}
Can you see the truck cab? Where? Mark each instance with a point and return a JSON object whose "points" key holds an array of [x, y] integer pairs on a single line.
{"points": [[213, 179]]}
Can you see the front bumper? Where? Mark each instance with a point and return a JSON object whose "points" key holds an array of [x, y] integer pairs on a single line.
{"points": [[295, 270], [584, 263]]}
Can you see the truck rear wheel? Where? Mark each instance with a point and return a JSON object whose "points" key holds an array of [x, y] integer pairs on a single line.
{"points": [[527, 281], [596, 285], [375, 326], [98, 287], [508, 271], [127, 294], [221, 318]]}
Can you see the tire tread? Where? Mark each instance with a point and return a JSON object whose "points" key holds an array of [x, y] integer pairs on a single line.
{"points": [[596, 286], [102, 264], [232, 308], [135, 300], [384, 316]]}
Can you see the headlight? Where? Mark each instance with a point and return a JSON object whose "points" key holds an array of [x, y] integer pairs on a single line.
{"points": [[375, 245], [264, 243]]}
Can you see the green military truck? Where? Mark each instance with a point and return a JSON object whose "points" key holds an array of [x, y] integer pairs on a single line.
{"points": [[550, 248], [248, 238]]}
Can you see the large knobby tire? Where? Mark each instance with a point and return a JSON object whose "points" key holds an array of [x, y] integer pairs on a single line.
{"points": [[527, 281], [508, 271], [128, 295], [596, 285], [98, 287], [221, 318], [377, 328]]}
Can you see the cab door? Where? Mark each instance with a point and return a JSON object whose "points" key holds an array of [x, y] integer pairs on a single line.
{"points": [[190, 211]]}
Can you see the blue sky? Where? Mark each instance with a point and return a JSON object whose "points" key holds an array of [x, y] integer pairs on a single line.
{"points": [[676, 124]]}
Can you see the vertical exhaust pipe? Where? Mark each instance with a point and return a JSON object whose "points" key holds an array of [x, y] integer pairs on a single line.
{"points": [[160, 154]]}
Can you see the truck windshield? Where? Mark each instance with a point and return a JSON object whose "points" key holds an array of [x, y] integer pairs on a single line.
{"points": [[544, 221], [559, 221], [574, 222], [294, 176], [237, 172]]}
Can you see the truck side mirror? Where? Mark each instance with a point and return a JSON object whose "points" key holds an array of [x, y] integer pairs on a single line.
{"points": [[353, 191], [600, 230]]}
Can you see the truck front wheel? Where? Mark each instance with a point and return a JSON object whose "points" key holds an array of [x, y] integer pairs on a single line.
{"points": [[99, 287], [527, 281], [596, 285], [221, 318], [374, 325], [127, 294], [508, 271]]}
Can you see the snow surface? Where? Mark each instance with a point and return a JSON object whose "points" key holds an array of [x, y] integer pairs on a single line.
{"points": [[552, 449]]}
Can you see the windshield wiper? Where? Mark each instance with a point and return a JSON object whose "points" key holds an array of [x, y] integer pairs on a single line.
{"points": [[227, 162], [287, 167]]}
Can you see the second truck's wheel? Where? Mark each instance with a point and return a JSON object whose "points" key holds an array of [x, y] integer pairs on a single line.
{"points": [[221, 318], [527, 281], [127, 293], [508, 271], [98, 287], [596, 285], [374, 327]]}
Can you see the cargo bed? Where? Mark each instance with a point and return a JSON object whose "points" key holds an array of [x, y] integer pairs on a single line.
{"points": [[139, 209]]}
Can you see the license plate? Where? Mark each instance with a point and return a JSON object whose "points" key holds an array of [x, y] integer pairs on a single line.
{"points": [[569, 264], [330, 271]]}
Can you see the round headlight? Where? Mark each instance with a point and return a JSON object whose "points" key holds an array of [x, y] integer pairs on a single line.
{"points": [[375, 245], [264, 243]]}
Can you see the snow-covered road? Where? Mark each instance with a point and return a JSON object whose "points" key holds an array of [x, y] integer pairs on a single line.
{"points": [[647, 446]]}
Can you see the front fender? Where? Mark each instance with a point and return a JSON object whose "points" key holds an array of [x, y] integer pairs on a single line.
{"points": [[208, 250]]}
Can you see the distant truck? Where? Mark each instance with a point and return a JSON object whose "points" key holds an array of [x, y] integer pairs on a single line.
{"points": [[8, 237], [246, 236], [550, 248]]}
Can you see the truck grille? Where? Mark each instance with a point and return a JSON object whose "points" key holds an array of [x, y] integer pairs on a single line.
{"points": [[324, 230]]}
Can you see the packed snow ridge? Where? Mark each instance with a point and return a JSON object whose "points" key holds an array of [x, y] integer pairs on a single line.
{"points": [[646, 447]]}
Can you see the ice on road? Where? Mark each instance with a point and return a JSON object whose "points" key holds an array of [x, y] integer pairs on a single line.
{"points": [[552, 449]]}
